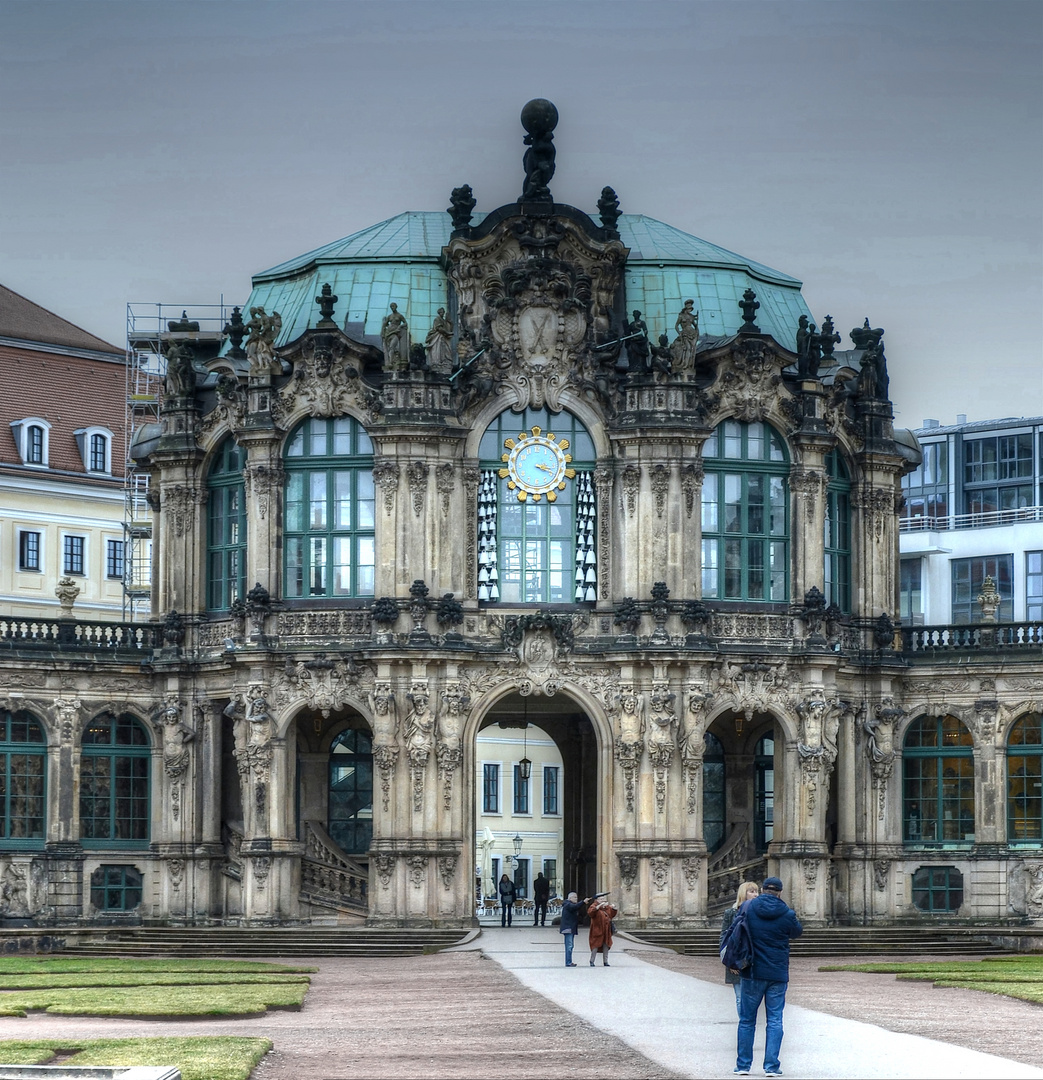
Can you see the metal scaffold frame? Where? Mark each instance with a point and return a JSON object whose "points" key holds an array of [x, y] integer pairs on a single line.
{"points": [[149, 327]]}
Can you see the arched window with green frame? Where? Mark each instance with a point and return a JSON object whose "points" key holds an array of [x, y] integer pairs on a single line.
{"points": [[938, 782], [328, 539], [1025, 780], [23, 771], [745, 514], [537, 548], [114, 783], [226, 527], [837, 540]]}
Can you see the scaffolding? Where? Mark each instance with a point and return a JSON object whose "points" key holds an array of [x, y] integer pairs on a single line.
{"points": [[149, 327]]}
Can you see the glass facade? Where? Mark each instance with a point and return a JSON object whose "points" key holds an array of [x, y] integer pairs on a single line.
{"points": [[23, 760], [926, 488], [114, 783], [226, 527], [838, 533], [968, 577], [764, 793], [938, 782], [911, 592], [997, 473], [329, 510], [350, 816], [745, 497], [1025, 780], [1034, 585]]}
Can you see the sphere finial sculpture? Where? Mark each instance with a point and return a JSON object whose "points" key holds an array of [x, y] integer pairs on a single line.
{"points": [[539, 118]]}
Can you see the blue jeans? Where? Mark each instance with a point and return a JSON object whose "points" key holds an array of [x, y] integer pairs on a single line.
{"points": [[569, 940], [774, 995], [738, 997], [507, 915]]}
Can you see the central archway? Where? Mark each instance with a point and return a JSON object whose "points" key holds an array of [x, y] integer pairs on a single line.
{"points": [[555, 813]]}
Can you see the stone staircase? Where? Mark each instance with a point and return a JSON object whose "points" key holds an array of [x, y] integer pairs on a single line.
{"points": [[852, 941], [253, 942]]}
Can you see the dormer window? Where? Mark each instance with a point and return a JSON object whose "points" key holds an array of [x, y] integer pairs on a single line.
{"points": [[32, 438], [95, 446]]}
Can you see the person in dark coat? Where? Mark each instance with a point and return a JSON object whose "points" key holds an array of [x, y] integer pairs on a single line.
{"points": [[772, 925], [570, 924], [507, 897], [541, 897], [747, 890]]}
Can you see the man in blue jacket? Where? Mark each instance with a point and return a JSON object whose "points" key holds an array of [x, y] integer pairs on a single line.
{"points": [[772, 924]]}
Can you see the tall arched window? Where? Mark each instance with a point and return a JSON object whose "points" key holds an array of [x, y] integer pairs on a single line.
{"points": [[226, 527], [1025, 779], [537, 550], [114, 783], [328, 537], [938, 782], [23, 756], [744, 512], [838, 533], [351, 791], [713, 793], [764, 793]]}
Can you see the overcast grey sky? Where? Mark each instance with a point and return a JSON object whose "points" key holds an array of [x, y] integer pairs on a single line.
{"points": [[888, 154]]}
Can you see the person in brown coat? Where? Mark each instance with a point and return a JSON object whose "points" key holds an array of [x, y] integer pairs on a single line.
{"points": [[601, 913]]}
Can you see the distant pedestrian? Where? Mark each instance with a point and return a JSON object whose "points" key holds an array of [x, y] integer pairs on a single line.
{"points": [[507, 897], [747, 890], [541, 897], [570, 910], [601, 914], [772, 924]]}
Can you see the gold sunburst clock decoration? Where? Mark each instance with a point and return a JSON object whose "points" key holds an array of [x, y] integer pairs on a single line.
{"points": [[536, 465]]}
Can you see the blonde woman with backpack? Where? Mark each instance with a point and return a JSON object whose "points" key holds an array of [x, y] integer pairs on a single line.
{"points": [[747, 891]]}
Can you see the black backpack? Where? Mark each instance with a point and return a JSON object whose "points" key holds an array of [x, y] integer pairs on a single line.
{"points": [[737, 943]]}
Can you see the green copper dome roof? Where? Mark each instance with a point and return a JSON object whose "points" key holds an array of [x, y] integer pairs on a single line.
{"points": [[398, 261]]}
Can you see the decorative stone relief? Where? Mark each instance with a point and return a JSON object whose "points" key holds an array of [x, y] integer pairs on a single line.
{"points": [[808, 485], [817, 746], [630, 743], [691, 866], [324, 685], [385, 865], [660, 867], [692, 744], [418, 485], [179, 502], [881, 871], [417, 869], [631, 483], [879, 728], [455, 703], [385, 476], [1034, 890], [753, 686], [878, 505], [253, 744], [661, 737], [14, 890], [419, 732], [262, 482], [810, 868], [445, 481], [659, 480], [447, 870], [691, 484], [66, 711], [628, 871], [747, 384], [262, 866], [66, 590], [472, 478], [176, 755], [603, 487], [176, 868]]}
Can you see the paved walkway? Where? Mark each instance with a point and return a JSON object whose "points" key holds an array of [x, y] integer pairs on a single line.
{"points": [[688, 1025]]}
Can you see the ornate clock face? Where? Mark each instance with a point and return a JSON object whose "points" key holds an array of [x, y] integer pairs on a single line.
{"points": [[536, 465]]}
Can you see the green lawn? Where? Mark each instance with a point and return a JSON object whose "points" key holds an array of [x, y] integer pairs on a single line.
{"points": [[113, 987], [219, 1058], [1014, 976]]}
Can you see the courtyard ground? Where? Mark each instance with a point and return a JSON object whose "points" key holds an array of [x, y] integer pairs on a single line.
{"points": [[506, 1003]]}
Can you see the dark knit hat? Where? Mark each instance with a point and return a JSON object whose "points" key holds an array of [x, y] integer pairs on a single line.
{"points": [[772, 883]]}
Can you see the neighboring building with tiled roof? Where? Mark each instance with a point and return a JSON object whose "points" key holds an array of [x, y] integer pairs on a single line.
{"points": [[62, 451]]}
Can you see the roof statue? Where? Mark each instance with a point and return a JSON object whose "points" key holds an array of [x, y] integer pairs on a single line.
{"points": [[608, 208], [439, 344], [539, 118], [264, 329], [394, 335], [687, 327], [461, 204], [748, 305], [235, 331], [326, 301]]}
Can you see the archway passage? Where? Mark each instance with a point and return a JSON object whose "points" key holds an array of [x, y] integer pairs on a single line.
{"points": [[554, 814]]}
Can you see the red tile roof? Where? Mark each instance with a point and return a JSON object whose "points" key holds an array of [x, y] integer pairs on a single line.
{"points": [[26, 321]]}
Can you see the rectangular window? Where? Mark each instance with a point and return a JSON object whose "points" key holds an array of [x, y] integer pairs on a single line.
{"points": [[490, 788], [72, 554], [521, 877], [521, 792], [1034, 585], [34, 446], [968, 577], [550, 789], [114, 559], [550, 872], [911, 606], [29, 551]]}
